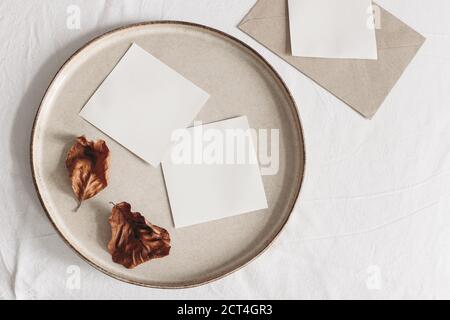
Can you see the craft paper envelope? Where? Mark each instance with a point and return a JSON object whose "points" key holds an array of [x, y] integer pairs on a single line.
{"points": [[141, 102], [228, 182], [332, 29], [362, 84]]}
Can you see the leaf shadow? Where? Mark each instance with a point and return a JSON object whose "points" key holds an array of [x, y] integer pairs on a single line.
{"points": [[102, 211], [61, 171]]}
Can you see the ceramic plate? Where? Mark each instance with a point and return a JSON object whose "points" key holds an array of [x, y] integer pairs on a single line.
{"points": [[239, 81]]}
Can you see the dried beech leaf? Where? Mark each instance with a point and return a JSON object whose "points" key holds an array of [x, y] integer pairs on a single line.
{"points": [[87, 162], [135, 240]]}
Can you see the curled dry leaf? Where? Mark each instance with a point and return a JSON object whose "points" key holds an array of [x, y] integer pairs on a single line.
{"points": [[135, 240], [87, 162]]}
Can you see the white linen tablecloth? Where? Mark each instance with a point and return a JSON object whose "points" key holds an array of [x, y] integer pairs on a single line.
{"points": [[373, 220]]}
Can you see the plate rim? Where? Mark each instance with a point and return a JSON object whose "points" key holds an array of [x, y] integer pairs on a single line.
{"points": [[297, 120]]}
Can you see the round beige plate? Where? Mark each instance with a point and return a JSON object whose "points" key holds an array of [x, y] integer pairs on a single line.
{"points": [[239, 81]]}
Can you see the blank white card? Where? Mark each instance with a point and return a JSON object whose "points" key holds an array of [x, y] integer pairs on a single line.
{"points": [[212, 173], [332, 29], [141, 102]]}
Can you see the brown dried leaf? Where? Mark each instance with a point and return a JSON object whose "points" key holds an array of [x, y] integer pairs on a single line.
{"points": [[135, 240], [87, 162]]}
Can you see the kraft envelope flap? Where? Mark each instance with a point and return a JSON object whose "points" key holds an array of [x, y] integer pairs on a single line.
{"points": [[362, 84]]}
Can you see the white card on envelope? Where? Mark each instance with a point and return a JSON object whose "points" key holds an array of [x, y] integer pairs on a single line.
{"points": [[212, 172], [141, 102], [332, 29]]}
